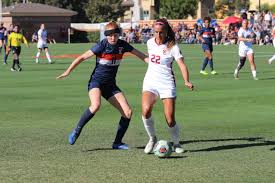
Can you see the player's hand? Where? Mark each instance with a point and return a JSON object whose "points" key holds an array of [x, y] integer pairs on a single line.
{"points": [[65, 74], [189, 85]]}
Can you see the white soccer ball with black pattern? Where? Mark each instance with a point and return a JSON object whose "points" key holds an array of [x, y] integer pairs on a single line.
{"points": [[163, 149]]}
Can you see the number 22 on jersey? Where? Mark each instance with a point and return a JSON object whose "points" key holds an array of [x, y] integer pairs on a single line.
{"points": [[155, 59]]}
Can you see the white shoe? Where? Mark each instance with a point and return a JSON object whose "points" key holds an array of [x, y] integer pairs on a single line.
{"points": [[12, 69], [178, 149], [269, 61], [150, 145], [255, 78]]}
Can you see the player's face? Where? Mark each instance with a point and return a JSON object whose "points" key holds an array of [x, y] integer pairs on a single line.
{"points": [[16, 29], [42, 26], [245, 24], [160, 34], [206, 23], [112, 38]]}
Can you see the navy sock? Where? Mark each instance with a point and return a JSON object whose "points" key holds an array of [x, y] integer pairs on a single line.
{"points": [[13, 64], [204, 64], [85, 118], [0, 49], [211, 64], [5, 58], [122, 128]]}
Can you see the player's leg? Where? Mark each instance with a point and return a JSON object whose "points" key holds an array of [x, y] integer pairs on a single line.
{"points": [[206, 60], [48, 54], [14, 60], [148, 101], [273, 57], [210, 60], [38, 55], [119, 101], [95, 98], [7, 52], [250, 57], [169, 111], [1, 44]]}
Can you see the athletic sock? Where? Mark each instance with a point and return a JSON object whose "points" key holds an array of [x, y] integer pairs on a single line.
{"points": [[211, 64], [254, 73], [121, 130], [0, 49], [174, 132], [13, 64], [272, 58], [84, 119], [204, 64], [48, 57], [5, 58], [149, 127], [37, 57]]}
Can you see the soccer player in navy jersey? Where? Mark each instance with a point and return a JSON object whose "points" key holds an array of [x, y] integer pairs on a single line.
{"points": [[206, 35], [102, 82], [2, 37]]}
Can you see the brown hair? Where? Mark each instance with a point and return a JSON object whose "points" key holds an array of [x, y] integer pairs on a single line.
{"points": [[111, 25], [207, 18], [170, 33]]}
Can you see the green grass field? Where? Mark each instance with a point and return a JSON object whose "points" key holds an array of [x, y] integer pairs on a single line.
{"points": [[227, 125]]}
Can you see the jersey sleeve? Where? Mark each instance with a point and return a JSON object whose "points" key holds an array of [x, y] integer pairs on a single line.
{"points": [[127, 47], [98, 48], [176, 52]]}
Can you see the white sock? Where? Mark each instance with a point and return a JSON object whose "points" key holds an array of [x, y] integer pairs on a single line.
{"points": [[175, 134], [254, 73], [272, 58], [37, 56], [149, 127], [48, 57]]}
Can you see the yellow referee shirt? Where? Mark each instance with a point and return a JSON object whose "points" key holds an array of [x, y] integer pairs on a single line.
{"points": [[15, 39]]}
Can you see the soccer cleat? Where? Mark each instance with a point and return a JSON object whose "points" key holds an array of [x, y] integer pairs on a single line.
{"points": [[120, 146], [269, 61], [178, 149], [214, 72], [150, 145], [255, 78], [5, 63], [203, 72], [12, 69], [19, 69], [73, 136]]}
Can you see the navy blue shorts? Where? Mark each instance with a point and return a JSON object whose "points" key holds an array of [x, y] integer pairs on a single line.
{"points": [[2, 37], [107, 90], [207, 47]]}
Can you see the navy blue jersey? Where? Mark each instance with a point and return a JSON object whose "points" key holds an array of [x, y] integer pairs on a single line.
{"points": [[207, 34], [108, 58], [2, 32]]}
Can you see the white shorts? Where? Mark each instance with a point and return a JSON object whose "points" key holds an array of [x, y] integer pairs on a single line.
{"points": [[245, 52], [42, 45], [163, 91], [274, 42]]}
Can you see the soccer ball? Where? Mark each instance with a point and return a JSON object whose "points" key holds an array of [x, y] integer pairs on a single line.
{"points": [[163, 149]]}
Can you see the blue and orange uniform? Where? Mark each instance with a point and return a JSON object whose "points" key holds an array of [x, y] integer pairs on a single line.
{"points": [[207, 35], [108, 59]]}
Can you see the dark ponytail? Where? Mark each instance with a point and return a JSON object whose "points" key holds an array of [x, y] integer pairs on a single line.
{"points": [[170, 33]]}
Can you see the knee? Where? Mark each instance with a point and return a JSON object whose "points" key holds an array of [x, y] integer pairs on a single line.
{"points": [[127, 113], [95, 107], [146, 111]]}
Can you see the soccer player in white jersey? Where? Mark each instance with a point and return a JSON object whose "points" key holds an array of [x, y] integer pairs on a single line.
{"points": [[246, 40], [159, 81], [273, 35], [42, 44]]}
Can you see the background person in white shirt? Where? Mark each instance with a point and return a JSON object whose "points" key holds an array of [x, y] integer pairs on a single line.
{"points": [[42, 43], [159, 81], [246, 39]]}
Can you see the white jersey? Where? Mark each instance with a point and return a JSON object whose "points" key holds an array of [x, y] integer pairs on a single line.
{"points": [[244, 45], [42, 36], [159, 72]]}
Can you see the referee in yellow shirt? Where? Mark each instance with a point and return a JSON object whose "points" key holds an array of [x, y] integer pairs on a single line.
{"points": [[14, 44]]}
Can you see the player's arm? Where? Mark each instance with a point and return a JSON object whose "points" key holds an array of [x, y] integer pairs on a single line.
{"points": [[242, 38], [75, 63], [185, 73], [25, 41], [140, 55]]}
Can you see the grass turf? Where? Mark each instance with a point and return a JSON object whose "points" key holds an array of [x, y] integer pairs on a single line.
{"points": [[227, 125]]}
